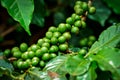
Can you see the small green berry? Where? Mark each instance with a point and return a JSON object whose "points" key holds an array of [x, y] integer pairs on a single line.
{"points": [[52, 29], [79, 11], [40, 42], [67, 35], [17, 54], [70, 20], [63, 47], [77, 23], [75, 30], [85, 6], [23, 47], [46, 56], [7, 52], [62, 39], [49, 34], [92, 10], [83, 24], [56, 34], [61, 27], [54, 40]]}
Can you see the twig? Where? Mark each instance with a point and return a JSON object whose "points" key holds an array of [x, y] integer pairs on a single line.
{"points": [[9, 30]]}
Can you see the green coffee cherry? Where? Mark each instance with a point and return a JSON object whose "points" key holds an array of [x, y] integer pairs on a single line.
{"points": [[67, 35], [89, 43], [68, 26], [31, 54], [46, 40], [34, 47], [77, 17], [28, 61], [53, 49], [17, 54], [56, 34], [92, 10], [25, 56], [62, 39], [77, 23], [15, 64], [20, 64], [39, 53], [23, 47], [79, 11], [14, 49], [7, 52], [52, 29], [61, 27], [74, 30], [83, 24], [85, 6], [46, 56], [25, 65], [49, 34], [78, 3], [46, 44], [82, 52], [52, 55], [40, 42], [77, 7], [42, 63], [70, 20], [54, 40], [63, 47], [92, 38], [35, 61], [83, 42], [44, 50]]}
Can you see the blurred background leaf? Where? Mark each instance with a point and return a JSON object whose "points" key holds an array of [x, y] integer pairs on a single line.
{"points": [[114, 5], [102, 12], [39, 13]]}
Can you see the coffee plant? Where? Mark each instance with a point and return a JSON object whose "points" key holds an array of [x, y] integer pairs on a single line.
{"points": [[68, 50]]}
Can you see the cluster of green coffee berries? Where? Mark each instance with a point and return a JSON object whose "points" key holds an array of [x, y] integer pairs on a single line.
{"points": [[77, 20], [54, 41], [46, 48], [39, 54], [82, 7], [87, 41]]}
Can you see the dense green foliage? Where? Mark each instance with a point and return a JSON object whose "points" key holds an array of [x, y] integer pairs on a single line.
{"points": [[69, 50]]}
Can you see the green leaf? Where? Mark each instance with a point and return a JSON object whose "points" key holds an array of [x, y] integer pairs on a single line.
{"points": [[57, 65], [77, 66], [46, 75], [102, 12], [109, 37], [20, 10], [59, 17], [114, 5], [39, 13], [90, 74], [5, 65], [37, 75], [107, 59]]}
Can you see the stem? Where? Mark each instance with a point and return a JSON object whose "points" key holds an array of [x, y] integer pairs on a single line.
{"points": [[9, 30], [35, 74], [86, 13], [87, 55], [20, 77], [90, 2]]}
